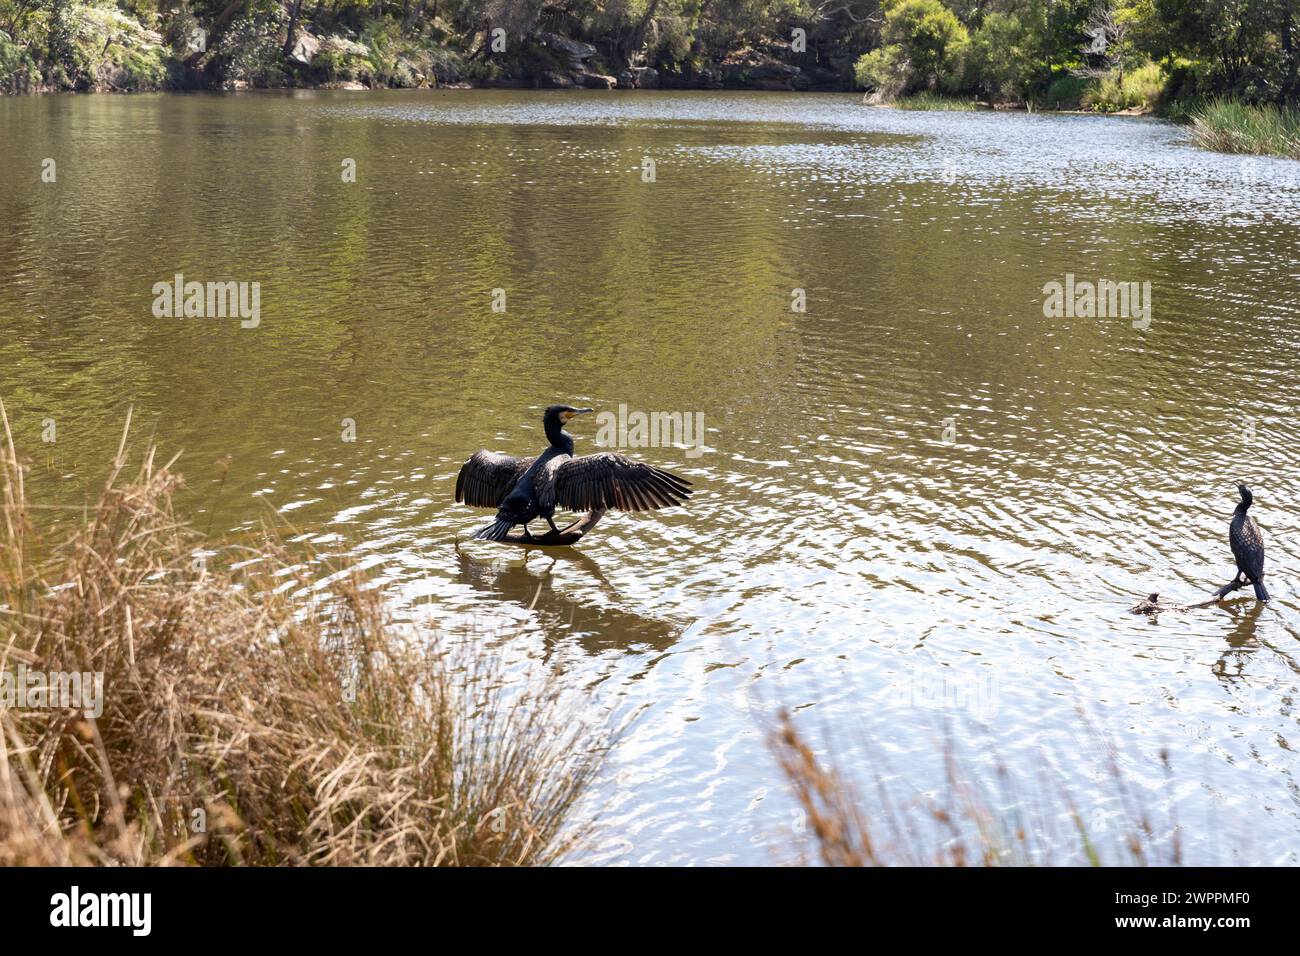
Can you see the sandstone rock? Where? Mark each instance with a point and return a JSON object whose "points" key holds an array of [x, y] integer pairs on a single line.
{"points": [[305, 47], [709, 79], [573, 49], [823, 78], [598, 81], [554, 80], [646, 78], [766, 74]]}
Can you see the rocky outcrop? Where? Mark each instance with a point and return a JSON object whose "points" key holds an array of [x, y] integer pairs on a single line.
{"points": [[555, 80], [578, 57], [645, 78], [701, 79], [827, 77], [577, 52], [748, 69], [305, 47]]}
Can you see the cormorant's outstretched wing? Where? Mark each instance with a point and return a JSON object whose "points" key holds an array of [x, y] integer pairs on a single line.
{"points": [[487, 478], [607, 480]]}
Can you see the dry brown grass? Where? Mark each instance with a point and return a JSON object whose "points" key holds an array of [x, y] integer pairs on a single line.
{"points": [[960, 826], [307, 731]]}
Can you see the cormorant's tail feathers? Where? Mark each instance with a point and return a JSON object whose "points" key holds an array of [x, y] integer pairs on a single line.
{"points": [[1261, 592], [496, 531]]}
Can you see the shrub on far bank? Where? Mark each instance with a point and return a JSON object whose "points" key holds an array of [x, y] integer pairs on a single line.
{"points": [[85, 47], [1066, 92], [1141, 88], [18, 72], [250, 51], [1000, 61], [924, 48], [885, 71]]}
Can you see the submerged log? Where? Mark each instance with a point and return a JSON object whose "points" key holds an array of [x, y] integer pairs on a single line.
{"points": [[569, 534]]}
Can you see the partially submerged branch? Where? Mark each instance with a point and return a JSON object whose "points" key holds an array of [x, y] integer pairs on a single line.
{"points": [[1152, 604]]}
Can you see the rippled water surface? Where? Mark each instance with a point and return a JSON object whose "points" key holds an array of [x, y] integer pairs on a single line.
{"points": [[923, 508]]}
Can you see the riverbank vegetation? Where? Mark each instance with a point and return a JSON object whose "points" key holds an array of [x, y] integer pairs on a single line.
{"points": [[248, 717], [1233, 127], [1107, 55], [934, 101], [1123, 51]]}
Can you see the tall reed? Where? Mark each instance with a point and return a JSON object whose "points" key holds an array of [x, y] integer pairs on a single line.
{"points": [[1228, 126], [961, 823]]}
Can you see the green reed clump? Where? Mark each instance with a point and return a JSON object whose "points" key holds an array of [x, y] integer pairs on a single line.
{"points": [[245, 723], [934, 101], [1229, 126]]}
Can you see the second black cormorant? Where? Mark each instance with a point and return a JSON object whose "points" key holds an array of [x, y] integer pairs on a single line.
{"points": [[1247, 547]]}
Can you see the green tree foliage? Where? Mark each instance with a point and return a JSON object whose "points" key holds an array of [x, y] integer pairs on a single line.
{"points": [[1247, 48], [933, 39], [1048, 51], [1002, 63], [923, 45]]}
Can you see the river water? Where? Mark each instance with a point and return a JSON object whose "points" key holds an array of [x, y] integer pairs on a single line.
{"points": [[923, 505]]}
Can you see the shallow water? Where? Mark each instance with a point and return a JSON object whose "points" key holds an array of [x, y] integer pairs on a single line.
{"points": [[923, 508]]}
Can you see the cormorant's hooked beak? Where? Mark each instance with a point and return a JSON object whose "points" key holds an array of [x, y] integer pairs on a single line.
{"points": [[566, 416]]}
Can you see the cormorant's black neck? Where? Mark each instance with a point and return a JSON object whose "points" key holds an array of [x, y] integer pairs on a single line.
{"points": [[557, 436]]}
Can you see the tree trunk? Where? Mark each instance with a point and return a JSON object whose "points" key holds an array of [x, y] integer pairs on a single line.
{"points": [[1289, 54], [638, 32], [293, 27]]}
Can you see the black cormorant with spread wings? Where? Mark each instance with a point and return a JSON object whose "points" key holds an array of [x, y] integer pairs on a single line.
{"points": [[1247, 547], [524, 489]]}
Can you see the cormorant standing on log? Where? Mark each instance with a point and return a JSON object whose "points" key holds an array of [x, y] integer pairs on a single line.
{"points": [[1247, 547], [524, 489]]}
